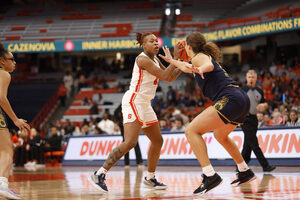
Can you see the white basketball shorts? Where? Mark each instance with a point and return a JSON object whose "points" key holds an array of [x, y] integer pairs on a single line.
{"points": [[135, 107]]}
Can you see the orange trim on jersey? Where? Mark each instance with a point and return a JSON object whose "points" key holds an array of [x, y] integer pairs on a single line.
{"points": [[138, 85], [133, 107], [151, 123]]}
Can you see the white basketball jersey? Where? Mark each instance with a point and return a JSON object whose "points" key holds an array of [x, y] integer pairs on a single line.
{"points": [[142, 82]]}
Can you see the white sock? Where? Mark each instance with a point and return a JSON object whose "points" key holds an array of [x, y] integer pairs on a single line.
{"points": [[3, 182], [208, 170], [102, 170], [150, 175], [242, 167]]}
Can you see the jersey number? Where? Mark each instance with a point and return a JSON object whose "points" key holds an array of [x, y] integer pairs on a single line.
{"points": [[155, 81]]}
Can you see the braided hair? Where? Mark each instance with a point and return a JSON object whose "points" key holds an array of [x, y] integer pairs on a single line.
{"points": [[141, 36]]}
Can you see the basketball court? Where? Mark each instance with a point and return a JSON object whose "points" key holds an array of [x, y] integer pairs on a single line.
{"points": [[71, 183]]}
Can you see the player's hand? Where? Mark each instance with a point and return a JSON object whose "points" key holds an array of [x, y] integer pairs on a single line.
{"points": [[178, 49], [196, 70], [22, 125], [167, 57]]}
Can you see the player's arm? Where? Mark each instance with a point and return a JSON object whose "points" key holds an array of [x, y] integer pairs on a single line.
{"points": [[147, 64], [175, 73], [201, 64], [179, 64], [4, 103]]}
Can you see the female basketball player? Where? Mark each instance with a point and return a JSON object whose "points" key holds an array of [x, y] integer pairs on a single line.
{"points": [[7, 64], [231, 105], [137, 111]]}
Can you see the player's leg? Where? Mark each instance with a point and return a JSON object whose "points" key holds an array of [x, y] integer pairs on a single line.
{"points": [[6, 156], [154, 135], [131, 133], [206, 121], [244, 173]]}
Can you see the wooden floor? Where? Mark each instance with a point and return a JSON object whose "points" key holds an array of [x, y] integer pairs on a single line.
{"points": [[71, 183]]}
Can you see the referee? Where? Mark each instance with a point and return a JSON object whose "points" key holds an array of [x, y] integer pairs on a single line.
{"points": [[257, 102]]}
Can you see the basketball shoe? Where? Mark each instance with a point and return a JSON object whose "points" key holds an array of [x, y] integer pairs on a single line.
{"points": [[154, 184], [243, 177], [208, 183], [98, 181], [8, 193]]}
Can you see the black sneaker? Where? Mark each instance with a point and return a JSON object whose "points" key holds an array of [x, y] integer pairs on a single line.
{"points": [[243, 177], [269, 168], [208, 183], [98, 182], [154, 184]]}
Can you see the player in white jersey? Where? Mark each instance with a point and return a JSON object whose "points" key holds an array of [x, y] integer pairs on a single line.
{"points": [[137, 111]]}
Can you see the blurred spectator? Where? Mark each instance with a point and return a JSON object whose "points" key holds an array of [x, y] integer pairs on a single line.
{"points": [[82, 83], [59, 127], [69, 128], [94, 109], [178, 125], [85, 130], [267, 120], [294, 120], [106, 110], [54, 142], [86, 101], [97, 98], [68, 81], [76, 131], [171, 96], [106, 124], [117, 129], [20, 151], [96, 131], [14, 137], [33, 148], [103, 83], [163, 125], [260, 119], [62, 93], [277, 119]]}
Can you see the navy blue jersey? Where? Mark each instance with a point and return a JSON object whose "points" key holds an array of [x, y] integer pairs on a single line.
{"points": [[213, 81]]}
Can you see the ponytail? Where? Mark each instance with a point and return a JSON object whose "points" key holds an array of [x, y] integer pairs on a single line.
{"points": [[3, 51], [198, 43], [213, 50]]}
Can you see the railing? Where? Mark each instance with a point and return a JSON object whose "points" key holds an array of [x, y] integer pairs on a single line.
{"points": [[45, 111]]}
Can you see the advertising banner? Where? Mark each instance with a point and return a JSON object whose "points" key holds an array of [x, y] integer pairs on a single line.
{"points": [[275, 143]]}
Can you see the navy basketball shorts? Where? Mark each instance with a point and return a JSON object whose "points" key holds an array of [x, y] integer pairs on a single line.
{"points": [[232, 105], [3, 124]]}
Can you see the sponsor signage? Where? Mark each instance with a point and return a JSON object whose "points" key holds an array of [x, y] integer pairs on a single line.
{"points": [[275, 143], [275, 26]]}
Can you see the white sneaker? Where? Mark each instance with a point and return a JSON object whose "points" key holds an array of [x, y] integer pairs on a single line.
{"points": [[154, 184], [29, 164], [9, 193]]}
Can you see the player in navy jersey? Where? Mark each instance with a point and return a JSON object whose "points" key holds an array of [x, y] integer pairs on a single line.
{"points": [[230, 107], [7, 65]]}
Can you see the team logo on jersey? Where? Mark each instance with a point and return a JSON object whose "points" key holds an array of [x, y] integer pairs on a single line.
{"points": [[2, 121], [129, 116], [219, 105]]}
